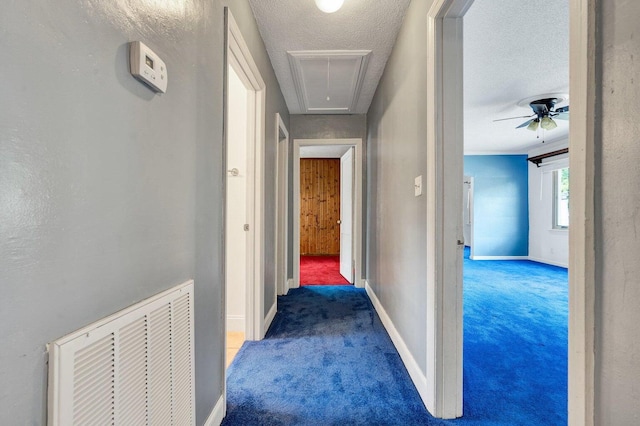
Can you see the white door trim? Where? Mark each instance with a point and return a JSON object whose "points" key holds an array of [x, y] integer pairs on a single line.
{"points": [[282, 210], [357, 220], [582, 90], [239, 57], [444, 207], [445, 159]]}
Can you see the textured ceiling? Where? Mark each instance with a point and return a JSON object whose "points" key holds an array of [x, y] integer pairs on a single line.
{"points": [[293, 25], [328, 81], [512, 50]]}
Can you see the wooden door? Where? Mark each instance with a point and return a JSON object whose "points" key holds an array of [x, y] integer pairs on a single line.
{"points": [[319, 206]]}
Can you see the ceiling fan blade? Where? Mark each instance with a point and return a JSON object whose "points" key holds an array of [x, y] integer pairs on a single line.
{"points": [[513, 118], [562, 109], [525, 124], [561, 116]]}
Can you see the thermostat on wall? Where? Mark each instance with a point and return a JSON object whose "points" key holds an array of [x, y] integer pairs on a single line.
{"points": [[147, 67]]}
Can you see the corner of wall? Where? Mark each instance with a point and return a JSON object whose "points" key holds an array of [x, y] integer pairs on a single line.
{"points": [[217, 414]]}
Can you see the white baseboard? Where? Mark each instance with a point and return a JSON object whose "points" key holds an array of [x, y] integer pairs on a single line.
{"points": [[416, 374], [269, 318], [217, 414], [548, 262], [360, 283], [499, 258], [236, 323], [288, 285]]}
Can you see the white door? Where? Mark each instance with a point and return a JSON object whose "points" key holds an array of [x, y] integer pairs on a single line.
{"points": [[467, 215], [346, 215], [237, 195]]}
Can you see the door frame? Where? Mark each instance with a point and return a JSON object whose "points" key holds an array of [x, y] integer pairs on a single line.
{"points": [[238, 56], [282, 207], [357, 205], [445, 150], [445, 108]]}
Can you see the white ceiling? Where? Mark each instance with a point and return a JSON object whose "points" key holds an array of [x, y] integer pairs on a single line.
{"points": [[512, 50], [323, 151], [328, 81], [298, 25]]}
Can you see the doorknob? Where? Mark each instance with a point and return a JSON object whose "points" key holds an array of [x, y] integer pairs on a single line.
{"points": [[339, 222]]}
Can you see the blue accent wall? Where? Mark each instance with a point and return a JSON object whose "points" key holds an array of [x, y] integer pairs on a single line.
{"points": [[501, 204]]}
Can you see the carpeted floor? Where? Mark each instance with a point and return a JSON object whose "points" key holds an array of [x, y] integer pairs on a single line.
{"points": [[515, 342], [321, 270], [328, 360]]}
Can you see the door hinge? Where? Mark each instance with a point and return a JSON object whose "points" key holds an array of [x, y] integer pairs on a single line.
{"points": [[246, 227]]}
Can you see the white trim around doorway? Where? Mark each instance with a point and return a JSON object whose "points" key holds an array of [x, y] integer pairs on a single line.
{"points": [[282, 209], [357, 207], [445, 240], [582, 260], [239, 57]]}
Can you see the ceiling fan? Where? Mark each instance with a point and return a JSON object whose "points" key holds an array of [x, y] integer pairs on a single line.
{"points": [[544, 111]]}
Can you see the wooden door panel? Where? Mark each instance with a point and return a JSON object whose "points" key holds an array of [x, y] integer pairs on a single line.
{"points": [[319, 206]]}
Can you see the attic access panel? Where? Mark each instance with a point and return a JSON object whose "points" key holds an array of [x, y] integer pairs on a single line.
{"points": [[328, 82]]}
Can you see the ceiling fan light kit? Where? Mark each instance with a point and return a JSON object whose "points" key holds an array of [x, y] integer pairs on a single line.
{"points": [[544, 111], [329, 6], [547, 123]]}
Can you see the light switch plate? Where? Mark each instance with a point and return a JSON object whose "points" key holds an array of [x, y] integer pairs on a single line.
{"points": [[418, 186]]}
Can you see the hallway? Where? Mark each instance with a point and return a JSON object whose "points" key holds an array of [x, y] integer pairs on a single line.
{"points": [[114, 192], [326, 359]]}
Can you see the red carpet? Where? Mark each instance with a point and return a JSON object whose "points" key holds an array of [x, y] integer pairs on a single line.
{"points": [[321, 270]]}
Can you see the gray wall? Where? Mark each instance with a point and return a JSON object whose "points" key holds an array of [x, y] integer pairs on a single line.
{"points": [[396, 151], [274, 104], [618, 217], [335, 126], [109, 194], [328, 126]]}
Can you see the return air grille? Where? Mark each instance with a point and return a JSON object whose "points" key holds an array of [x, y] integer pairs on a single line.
{"points": [[132, 368]]}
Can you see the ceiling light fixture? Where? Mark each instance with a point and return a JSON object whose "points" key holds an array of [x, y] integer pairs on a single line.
{"points": [[547, 123], [329, 6], [544, 112]]}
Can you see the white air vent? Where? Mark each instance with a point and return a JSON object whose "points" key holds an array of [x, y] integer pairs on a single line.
{"points": [[328, 81], [135, 367]]}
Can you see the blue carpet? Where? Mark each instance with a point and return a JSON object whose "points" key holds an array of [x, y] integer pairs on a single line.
{"points": [[327, 359], [515, 343]]}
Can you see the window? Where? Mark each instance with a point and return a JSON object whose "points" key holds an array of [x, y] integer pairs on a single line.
{"points": [[561, 198]]}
